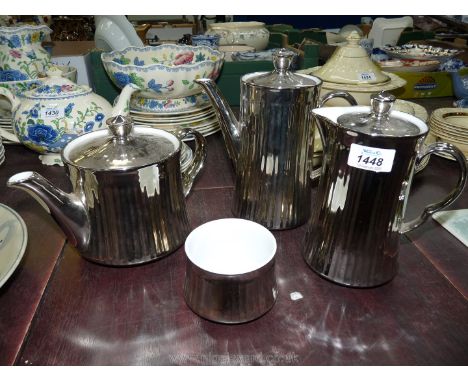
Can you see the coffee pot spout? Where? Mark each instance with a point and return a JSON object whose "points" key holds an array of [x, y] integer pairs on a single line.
{"points": [[67, 209], [226, 117]]}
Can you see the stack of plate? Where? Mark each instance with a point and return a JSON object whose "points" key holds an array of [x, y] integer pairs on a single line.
{"points": [[5, 120], [6, 129], [2, 152], [200, 117], [451, 125]]}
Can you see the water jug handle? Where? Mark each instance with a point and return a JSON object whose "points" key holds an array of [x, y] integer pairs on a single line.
{"points": [[339, 94], [191, 172], [454, 194]]}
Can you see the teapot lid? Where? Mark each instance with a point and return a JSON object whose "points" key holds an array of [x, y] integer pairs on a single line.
{"points": [[120, 147], [281, 77], [380, 122], [56, 87]]}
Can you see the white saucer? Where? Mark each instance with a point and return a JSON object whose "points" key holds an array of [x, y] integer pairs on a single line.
{"points": [[13, 241]]}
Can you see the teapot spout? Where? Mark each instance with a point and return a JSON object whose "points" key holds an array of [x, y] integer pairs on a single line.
{"points": [[67, 209], [123, 104], [226, 117]]}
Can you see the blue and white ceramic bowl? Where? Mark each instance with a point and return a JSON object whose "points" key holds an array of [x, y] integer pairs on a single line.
{"points": [[164, 71], [206, 40]]}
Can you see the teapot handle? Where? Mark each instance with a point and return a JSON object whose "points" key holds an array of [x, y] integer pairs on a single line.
{"points": [[454, 194], [189, 175]]}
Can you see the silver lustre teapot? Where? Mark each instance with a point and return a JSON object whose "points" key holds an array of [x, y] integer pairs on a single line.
{"points": [[369, 158], [271, 146], [128, 200]]}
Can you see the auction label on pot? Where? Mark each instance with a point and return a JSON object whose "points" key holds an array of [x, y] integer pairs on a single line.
{"points": [[371, 158], [52, 112], [367, 76]]}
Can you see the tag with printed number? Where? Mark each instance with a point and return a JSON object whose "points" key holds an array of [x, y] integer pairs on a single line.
{"points": [[368, 76], [52, 113], [371, 158]]}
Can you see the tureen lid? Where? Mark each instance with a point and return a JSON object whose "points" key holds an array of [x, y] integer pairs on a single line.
{"points": [[350, 64], [120, 147], [380, 122], [281, 77], [56, 87]]}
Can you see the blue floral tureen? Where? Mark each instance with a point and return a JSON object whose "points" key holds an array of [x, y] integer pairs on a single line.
{"points": [[46, 118]]}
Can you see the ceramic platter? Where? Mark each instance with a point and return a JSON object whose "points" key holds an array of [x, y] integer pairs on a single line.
{"points": [[402, 65], [420, 52], [13, 241]]}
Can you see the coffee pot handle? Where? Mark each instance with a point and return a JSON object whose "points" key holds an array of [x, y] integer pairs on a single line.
{"points": [[191, 172], [454, 194]]}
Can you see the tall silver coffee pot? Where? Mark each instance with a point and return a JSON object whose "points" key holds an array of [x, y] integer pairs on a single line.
{"points": [[369, 158], [271, 146], [128, 200]]}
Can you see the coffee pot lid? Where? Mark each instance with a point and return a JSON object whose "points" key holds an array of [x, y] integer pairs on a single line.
{"points": [[281, 77], [120, 147], [380, 121]]}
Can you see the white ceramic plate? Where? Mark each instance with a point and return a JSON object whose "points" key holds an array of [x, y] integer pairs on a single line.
{"points": [[13, 241], [172, 114], [196, 118]]}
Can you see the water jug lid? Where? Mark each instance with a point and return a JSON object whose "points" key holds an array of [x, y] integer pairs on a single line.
{"points": [[282, 77], [380, 122], [120, 147]]}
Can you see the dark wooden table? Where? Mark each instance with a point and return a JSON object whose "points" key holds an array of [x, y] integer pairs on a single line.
{"points": [[59, 309]]}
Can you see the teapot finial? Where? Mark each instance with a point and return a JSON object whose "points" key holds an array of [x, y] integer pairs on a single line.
{"points": [[120, 126]]}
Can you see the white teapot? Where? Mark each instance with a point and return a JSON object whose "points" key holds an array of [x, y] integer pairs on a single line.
{"points": [[46, 118]]}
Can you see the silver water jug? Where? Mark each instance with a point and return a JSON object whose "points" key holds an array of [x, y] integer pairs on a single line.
{"points": [[128, 200], [370, 154], [271, 146]]}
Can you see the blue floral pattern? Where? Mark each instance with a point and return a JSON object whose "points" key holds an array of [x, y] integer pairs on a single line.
{"points": [[12, 75], [89, 126], [20, 50], [99, 117], [122, 79], [69, 109], [138, 62], [158, 87], [14, 41], [41, 133]]}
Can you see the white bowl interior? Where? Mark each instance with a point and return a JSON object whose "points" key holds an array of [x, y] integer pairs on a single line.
{"points": [[230, 246]]}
